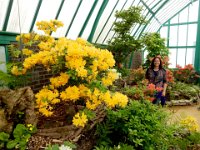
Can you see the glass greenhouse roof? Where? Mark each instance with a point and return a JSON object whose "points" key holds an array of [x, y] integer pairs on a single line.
{"points": [[90, 19]]}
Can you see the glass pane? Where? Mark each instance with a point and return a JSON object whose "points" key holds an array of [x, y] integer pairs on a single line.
{"points": [[183, 16], [192, 33], [157, 6], [172, 58], [66, 15], [173, 36], [79, 19], [193, 12], [151, 3], [182, 35], [2, 59], [174, 19], [163, 32], [145, 55], [3, 9], [48, 11], [170, 9], [26, 13], [181, 57], [109, 25], [136, 2], [105, 16], [135, 29], [89, 26], [190, 56]]}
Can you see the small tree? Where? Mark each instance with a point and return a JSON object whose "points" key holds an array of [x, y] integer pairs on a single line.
{"points": [[155, 46], [124, 43]]}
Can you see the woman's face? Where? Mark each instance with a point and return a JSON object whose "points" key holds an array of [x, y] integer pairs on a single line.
{"points": [[157, 62]]}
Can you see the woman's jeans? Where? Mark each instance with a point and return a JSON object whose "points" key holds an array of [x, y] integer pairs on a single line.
{"points": [[159, 98]]}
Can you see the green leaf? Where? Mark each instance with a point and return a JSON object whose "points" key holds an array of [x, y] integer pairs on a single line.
{"points": [[4, 136], [11, 144], [67, 143], [90, 114], [55, 147], [19, 131]]}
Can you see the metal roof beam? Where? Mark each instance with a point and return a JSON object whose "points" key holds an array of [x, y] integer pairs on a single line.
{"points": [[154, 16], [177, 13], [59, 10], [107, 21], [73, 17], [7, 15], [197, 50], [113, 24], [88, 18], [147, 7], [103, 6], [35, 16]]}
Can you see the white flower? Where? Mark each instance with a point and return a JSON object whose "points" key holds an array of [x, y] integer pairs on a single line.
{"points": [[63, 147], [112, 70]]}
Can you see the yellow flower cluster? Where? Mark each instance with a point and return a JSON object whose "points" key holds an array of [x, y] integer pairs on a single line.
{"points": [[28, 38], [190, 123], [44, 98], [79, 61], [80, 120], [27, 52], [16, 71], [60, 80], [111, 76], [70, 93], [49, 26], [116, 99]]}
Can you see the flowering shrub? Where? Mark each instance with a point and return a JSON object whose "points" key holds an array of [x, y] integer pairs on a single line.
{"points": [[136, 75], [169, 76], [150, 91], [85, 72], [190, 123], [186, 74]]}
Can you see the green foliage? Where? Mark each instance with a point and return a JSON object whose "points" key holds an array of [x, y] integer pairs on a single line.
{"points": [[127, 18], [155, 45], [186, 141], [140, 124], [14, 51], [90, 114], [119, 147], [181, 90], [123, 43], [12, 81], [136, 76], [3, 139], [135, 92], [124, 71], [21, 135]]}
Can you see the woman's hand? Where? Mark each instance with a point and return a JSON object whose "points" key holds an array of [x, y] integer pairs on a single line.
{"points": [[163, 93]]}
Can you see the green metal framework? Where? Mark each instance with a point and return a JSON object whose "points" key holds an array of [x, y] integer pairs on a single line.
{"points": [[157, 12], [73, 17], [197, 54], [186, 47]]}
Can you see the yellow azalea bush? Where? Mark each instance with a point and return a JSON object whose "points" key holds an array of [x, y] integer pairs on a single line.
{"points": [[84, 72], [189, 123]]}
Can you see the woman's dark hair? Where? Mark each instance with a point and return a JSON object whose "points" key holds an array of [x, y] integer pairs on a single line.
{"points": [[152, 63]]}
